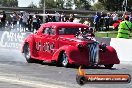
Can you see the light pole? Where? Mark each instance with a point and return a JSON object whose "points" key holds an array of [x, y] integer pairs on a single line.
{"points": [[43, 11], [125, 5]]}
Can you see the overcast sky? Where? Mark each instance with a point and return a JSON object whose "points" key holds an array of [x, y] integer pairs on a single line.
{"points": [[25, 3]]}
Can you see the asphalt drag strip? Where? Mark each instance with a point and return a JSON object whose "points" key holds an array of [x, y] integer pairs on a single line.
{"points": [[15, 72], [11, 55], [28, 83]]}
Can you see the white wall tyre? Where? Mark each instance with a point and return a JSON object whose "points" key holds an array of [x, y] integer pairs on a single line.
{"points": [[64, 60]]}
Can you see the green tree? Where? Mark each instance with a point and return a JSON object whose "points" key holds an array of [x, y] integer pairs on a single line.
{"points": [[68, 4], [32, 5], [51, 3], [59, 4], [98, 7], [9, 3], [83, 4], [115, 5]]}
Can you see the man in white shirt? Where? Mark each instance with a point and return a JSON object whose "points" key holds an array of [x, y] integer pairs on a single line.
{"points": [[25, 18]]}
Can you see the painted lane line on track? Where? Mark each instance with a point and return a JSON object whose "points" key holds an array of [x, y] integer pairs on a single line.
{"points": [[28, 83]]}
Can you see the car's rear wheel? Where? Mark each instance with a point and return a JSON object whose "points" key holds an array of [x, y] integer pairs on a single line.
{"points": [[109, 66], [27, 53], [64, 59]]}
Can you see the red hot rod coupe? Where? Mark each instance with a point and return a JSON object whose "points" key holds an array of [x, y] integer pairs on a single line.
{"points": [[66, 43]]}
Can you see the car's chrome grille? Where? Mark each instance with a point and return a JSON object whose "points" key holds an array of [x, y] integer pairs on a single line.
{"points": [[93, 52]]}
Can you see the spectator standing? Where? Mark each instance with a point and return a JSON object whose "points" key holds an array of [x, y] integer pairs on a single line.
{"points": [[115, 17], [57, 17], [47, 18], [20, 20], [125, 28], [71, 18], [123, 16], [30, 23], [24, 21], [115, 20], [66, 19], [107, 21], [38, 22], [9, 22], [53, 18], [130, 18], [87, 22], [3, 19], [63, 17], [102, 21], [15, 18], [35, 22], [50, 18], [96, 21]]}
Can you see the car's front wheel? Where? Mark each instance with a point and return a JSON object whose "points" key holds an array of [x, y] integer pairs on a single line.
{"points": [[64, 59], [109, 66], [27, 53]]}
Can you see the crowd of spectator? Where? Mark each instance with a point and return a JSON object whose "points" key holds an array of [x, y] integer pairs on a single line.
{"points": [[101, 21], [31, 21]]}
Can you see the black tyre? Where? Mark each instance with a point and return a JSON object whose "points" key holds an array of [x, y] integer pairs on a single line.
{"points": [[109, 66], [27, 53], [64, 59]]}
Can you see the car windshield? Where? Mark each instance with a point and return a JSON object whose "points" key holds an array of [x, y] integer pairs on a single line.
{"points": [[68, 31]]}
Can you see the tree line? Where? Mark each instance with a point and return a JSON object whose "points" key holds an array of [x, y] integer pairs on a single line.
{"points": [[108, 5], [9, 3]]}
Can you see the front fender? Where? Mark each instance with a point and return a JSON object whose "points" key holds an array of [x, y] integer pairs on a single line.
{"points": [[68, 49], [109, 56]]}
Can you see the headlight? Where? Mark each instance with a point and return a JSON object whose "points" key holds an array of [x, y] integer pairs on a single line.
{"points": [[80, 46], [103, 46]]}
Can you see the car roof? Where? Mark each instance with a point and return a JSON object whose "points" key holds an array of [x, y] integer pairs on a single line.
{"points": [[64, 24]]}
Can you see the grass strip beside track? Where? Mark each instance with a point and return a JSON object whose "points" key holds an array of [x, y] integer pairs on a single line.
{"points": [[110, 34]]}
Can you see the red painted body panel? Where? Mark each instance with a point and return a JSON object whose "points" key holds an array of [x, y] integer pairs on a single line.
{"points": [[48, 47]]}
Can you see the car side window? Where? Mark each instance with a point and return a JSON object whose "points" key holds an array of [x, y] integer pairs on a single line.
{"points": [[52, 31], [49, 31], [68, 31], [61, 31], [46, 31]]}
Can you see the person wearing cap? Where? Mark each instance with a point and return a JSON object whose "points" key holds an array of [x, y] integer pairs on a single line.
{"points": [[125, 28]]}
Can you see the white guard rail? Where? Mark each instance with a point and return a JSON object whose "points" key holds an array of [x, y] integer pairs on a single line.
{"points": [[123, 48]]}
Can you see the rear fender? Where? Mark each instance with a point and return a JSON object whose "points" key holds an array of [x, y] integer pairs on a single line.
{"points": [[30, 41]]}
